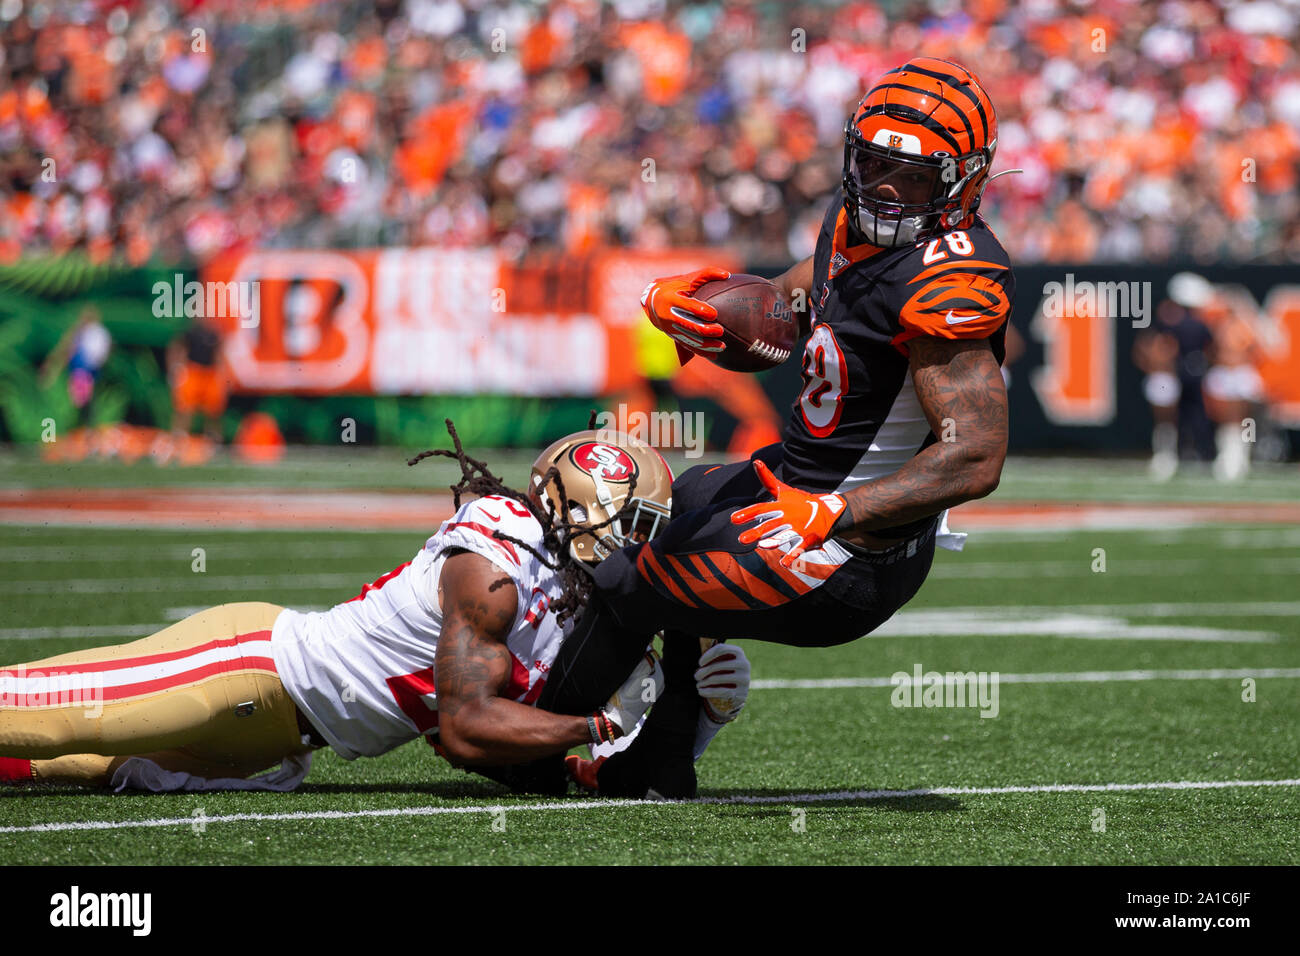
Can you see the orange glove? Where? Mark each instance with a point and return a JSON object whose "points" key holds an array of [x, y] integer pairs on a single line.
{"points": [[794, 512], [669, 305], [584, 772]]}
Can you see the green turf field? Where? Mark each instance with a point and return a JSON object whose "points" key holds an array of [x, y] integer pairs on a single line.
{"points": [[355, 467], [1129, 676]]}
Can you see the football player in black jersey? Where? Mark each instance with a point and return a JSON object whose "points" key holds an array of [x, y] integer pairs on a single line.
{"points": [[902, 415]]}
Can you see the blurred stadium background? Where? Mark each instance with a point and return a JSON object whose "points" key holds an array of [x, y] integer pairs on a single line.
{"points": [[451, 207]]}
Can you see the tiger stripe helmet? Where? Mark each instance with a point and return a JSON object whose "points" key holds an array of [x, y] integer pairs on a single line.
{"points": [[918, 151], [606, 474]]}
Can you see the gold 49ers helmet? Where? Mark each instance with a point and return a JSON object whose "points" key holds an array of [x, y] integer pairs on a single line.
{"points": [[606, 474]]}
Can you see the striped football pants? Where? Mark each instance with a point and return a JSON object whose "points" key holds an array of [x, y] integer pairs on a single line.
{"points": [[201, 696]]}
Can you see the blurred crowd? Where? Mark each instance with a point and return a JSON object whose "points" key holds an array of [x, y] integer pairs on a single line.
{"points": [[153, 131]]}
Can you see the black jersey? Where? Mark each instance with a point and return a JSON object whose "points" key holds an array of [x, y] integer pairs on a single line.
{"points": [[858, 417]]}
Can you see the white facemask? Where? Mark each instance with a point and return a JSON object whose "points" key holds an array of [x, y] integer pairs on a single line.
{"points": [[883, 234]]}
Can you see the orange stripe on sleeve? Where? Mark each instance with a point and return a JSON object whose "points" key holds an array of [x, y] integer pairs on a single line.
{"points": [[759, 588], [955, 306], [710, 590], [772, 558], [647, 560]]}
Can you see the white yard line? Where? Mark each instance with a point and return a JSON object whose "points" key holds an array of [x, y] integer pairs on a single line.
{"points": [[117, 630], [956, 567], [153, 553], [1066, 626], [1152, 531], [842, 796], [1229, 537], [169, 524], [1084, 623], [1069, 677], [93, 630], [1164, 609], [192, 582]]}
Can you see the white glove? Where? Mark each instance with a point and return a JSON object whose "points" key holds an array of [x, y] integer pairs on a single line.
{"points": [[722, 681], [641, 689]]}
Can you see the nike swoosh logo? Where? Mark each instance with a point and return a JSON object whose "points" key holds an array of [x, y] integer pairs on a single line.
{"points": [[492, 516], [958, 319]]}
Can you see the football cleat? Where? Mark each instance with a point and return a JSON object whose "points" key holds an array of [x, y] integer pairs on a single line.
{"points": [[642, 772]]}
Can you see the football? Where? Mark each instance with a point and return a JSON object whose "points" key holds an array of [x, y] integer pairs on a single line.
{"points": [[760, 326]]}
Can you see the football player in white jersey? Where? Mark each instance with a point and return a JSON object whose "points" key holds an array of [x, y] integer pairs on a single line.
{"points": [[454, 645]]}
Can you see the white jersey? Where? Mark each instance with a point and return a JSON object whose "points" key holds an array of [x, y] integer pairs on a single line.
{"points": [[363, 672]]}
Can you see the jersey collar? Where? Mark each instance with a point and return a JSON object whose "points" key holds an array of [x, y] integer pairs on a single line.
{"points": [[842, 254]]}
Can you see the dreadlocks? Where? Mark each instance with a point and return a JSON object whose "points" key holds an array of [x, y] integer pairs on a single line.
{"points": [[558, 529]]}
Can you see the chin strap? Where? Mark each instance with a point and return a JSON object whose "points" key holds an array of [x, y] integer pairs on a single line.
{"points": [[1005, 172]]}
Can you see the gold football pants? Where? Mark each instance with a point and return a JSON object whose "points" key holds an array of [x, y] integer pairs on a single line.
{"points": [[201, 696]]}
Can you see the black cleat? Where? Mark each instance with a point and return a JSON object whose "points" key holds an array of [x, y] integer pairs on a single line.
{"points": [[642, 772]]}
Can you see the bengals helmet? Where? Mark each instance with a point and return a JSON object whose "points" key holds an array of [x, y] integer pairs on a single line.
{"points": [[918, 151], [606, 474]]}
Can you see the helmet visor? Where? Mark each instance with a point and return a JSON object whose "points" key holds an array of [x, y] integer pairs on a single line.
{"points": [[881, 177]]}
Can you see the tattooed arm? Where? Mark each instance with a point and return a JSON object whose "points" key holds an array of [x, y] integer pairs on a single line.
{"points": [[798, 276], [472, 667], [961, 391]]}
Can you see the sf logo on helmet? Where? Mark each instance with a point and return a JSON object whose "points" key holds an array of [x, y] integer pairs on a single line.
{"points": [[604, 461]]}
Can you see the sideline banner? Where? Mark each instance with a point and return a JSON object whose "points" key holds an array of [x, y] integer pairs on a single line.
{"points": [[1076, 384], [440, 321]]}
